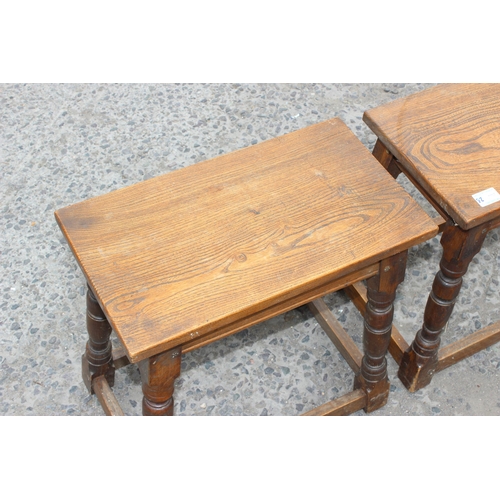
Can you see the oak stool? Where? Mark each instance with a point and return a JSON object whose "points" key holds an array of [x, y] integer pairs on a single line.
{"points": [[179, 261], [446, 140]]}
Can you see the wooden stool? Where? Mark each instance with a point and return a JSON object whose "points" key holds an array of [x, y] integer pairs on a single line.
{"points": [[447, 142], [176, 262]]}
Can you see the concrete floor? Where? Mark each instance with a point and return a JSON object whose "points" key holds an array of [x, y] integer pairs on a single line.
{"points": [[64, 143]]}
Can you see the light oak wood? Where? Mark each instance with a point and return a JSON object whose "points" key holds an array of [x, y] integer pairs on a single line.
{"points": [[177, 257], [447, 138]]}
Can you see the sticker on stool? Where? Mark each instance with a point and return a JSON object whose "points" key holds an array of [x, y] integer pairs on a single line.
{"points": [[487, 197]]}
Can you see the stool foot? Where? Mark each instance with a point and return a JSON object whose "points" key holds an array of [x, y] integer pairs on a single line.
{"points": [[158, 375], [416, 372], [98, 359], [376, 394]]}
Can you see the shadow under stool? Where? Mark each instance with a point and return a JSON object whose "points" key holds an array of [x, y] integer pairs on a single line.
{"points": [[184, 259], [446, 140]]}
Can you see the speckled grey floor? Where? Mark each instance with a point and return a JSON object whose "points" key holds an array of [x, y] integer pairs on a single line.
{"points": [[64, 143]]}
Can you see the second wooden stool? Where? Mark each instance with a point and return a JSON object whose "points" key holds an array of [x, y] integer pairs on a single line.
{"points": [[446, 140]]}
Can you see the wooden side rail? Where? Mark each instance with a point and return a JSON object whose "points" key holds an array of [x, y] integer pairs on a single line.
{"points": [[345, 405], [344, 344], [473, 343], [106, 397], [120, 358]]}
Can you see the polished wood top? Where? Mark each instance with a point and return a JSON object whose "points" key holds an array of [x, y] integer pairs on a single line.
{"points": [[179, 255], [447, 138]]}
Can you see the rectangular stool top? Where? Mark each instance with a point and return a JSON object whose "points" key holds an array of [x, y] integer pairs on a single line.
{"points": [[448, 139], [200, 247]]}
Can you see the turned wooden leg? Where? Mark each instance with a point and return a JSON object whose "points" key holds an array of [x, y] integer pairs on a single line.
{"points": [[420, 360], [158, 375], [98, 359], [379, 312]]}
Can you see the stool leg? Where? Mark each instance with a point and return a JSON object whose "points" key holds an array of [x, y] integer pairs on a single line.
{"points": [[158, 375], [98, 359], [419, 363], [381, 291]]}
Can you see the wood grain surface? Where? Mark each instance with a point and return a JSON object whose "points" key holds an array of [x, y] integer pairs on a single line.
{"points": [[447, 138], [173, 258]]}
